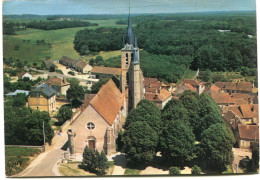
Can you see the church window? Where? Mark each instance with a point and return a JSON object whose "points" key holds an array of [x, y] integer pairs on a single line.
{"points": [[90, 125]]}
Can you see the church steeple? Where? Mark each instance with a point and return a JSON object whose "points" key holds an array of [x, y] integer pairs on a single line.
{"points": [[136, 59], [130, 34]]}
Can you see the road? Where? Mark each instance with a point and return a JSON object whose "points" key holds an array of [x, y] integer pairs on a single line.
{"points": [[44, 164], [59, 75]]}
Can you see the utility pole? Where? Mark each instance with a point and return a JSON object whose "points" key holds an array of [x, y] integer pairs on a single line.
{"points": [[43, 135]]}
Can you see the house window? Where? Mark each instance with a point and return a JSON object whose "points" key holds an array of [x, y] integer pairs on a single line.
{"points": [[90, 125]]}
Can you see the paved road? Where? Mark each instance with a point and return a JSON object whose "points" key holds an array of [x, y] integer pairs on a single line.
{"points": [[44, 164]]}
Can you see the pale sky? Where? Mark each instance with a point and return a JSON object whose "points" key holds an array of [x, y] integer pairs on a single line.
{"points": [[50, 7]]}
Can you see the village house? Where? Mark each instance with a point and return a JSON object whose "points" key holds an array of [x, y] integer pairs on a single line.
{"points": [[247, 135], [240, 87], [23, 75], [50, 65], [105, 72], [98, 124], [42, 98], [60, 85], [190, 84], [66, 61], [82, 67], [156, 91]]}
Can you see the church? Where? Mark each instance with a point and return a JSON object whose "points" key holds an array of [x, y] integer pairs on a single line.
{"points": [[98, 124]]}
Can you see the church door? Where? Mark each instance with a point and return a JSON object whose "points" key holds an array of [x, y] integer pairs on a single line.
{"points": [[91, 144]]}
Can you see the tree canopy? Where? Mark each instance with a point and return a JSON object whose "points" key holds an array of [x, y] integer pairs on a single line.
{"points": [[216, 146], [140, 142]]}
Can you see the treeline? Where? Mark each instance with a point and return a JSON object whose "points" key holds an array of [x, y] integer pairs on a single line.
{"points": [[52, 25], [197, 42], [101, 39]]}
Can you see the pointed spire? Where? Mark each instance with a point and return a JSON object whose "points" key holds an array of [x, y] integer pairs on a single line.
{"points": [[130, 34], [135, 42]]}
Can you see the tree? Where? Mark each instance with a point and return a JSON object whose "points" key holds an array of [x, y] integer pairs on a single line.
{"points": [[102, 163], [216, 146], [64, 114], [19, 100], [75, 92], [175, 110], [146, 111], [174, 171], [139, 143], [205, 75], [176, 141], [96, 86], [95, 161], [89, 158], [208, 113], [195, 170]]}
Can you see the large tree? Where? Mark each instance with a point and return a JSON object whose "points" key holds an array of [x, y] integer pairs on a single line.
{"points": [[174, 110], [75, 92], [139, 143], [176, 141], [208, 113], [146, 111], [216, 146]]}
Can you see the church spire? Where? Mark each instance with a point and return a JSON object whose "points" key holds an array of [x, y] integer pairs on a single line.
{"points": [[130, 34], [136, 59]]}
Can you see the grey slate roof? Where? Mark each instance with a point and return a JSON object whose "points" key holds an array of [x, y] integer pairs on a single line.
{"points": [[43, 89], [136, 60]]}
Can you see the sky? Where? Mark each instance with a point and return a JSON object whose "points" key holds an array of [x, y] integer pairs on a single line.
{"points": [[51, 7]]}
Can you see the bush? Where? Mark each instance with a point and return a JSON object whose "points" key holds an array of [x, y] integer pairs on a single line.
{"points": [[195, 170], [59, 71], [174, 170], [71, 73], [64, 114]]}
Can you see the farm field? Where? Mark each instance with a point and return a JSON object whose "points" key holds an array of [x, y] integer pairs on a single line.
{"points": [[58, 43]]}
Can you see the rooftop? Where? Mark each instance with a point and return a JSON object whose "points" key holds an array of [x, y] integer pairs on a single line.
{"points": [[108, 101], [248, 132], [106, 70]]}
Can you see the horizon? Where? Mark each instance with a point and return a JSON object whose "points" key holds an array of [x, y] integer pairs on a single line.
{"points": [[117, 7], [253, 11]]}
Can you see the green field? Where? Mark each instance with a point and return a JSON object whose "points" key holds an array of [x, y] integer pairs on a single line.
{"points": [[60, 43]]}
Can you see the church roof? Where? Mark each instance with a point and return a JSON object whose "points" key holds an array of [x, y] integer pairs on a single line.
{"points": [[108, 101]]}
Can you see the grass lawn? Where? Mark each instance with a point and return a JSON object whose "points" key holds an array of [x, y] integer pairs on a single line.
{"points": [[189, 74], [229, 170], [18, 158], [129, 171], [60, 43], [105, 54], [76, 169]]}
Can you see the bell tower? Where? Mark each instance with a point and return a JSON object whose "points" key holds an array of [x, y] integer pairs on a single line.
{"points": [[132, 76]]}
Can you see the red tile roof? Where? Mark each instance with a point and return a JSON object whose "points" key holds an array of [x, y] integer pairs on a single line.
{"points": [[191, 82], [108, 101], [222, 98], [215, 88], [21, 74], [190, 87], [249, 111], [248, 132], [106, 70], [55, 81], [241, 86]]}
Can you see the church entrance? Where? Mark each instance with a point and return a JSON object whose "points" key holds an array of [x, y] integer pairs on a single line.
{"points": [[91, 141], [91, 144]]}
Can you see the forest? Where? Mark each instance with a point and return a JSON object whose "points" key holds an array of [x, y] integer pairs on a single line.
{"points": [[51, 25], [182, 43]]}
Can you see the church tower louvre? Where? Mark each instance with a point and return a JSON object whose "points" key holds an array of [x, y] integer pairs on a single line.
{"points": [[132, 76]]}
